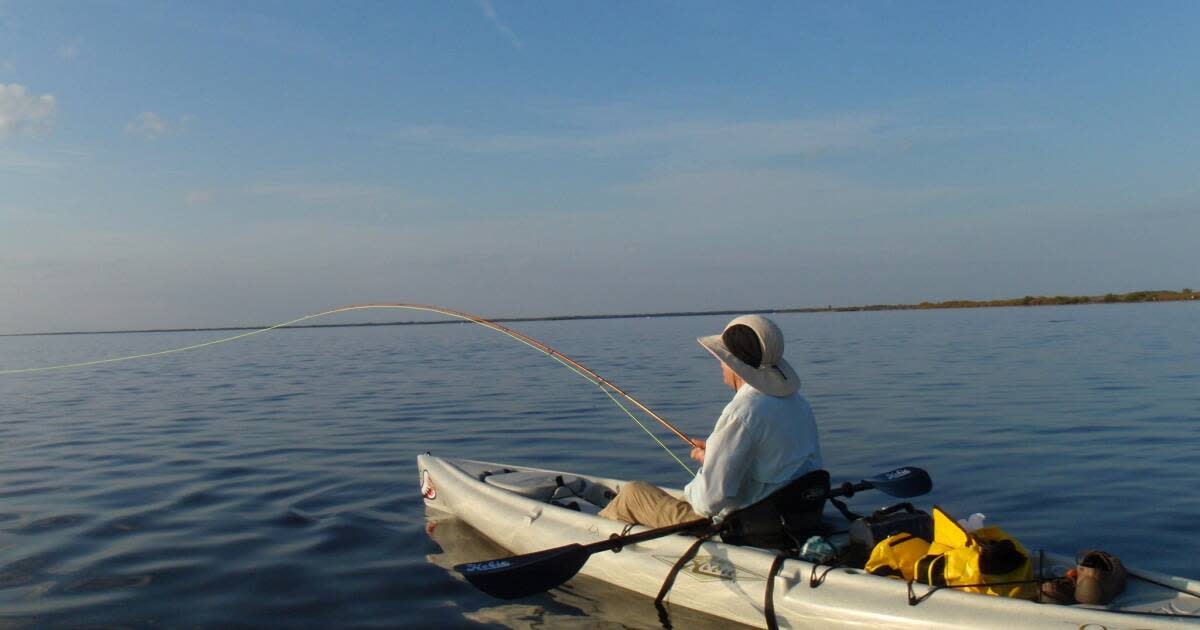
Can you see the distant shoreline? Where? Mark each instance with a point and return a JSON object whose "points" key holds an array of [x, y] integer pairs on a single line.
{"points": [[1029, 300]]}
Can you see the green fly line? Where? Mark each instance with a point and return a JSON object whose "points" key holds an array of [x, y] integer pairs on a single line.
{"points": [[605, 386]]}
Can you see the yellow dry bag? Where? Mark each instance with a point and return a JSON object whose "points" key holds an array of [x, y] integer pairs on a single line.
{"points": [[897, 556], [986, 558], [980, 561]]}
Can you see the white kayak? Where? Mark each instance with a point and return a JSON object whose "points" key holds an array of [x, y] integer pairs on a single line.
{"points": [[511, 505]]}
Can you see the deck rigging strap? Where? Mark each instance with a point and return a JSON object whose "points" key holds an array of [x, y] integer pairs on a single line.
{"points": [[769, 598], [914, 599], [1164, 585], [664, 617], [814, 580]]}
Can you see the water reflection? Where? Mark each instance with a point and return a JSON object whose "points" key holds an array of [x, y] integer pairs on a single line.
{"points": [[581, 603]]}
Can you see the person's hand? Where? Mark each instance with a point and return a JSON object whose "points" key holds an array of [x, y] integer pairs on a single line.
{"points": [[698, 450]]}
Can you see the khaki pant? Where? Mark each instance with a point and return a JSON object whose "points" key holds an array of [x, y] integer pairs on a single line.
{"points": [[646, 504]]}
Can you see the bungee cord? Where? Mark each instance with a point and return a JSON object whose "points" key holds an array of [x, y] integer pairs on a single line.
{"points": [[602, 383]]}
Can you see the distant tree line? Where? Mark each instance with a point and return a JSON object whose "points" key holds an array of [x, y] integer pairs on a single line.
{"points": [[1043, 300]]}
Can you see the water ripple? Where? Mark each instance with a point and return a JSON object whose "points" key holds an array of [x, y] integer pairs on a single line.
{"points": [[271, 483]]}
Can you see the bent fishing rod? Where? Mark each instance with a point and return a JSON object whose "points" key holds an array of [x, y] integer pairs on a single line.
{"points": [[604, 384], [549, 351]]}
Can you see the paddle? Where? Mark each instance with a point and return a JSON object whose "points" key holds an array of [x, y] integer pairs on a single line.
{"points": [[524, 575], [520, 576], [903, 482]]}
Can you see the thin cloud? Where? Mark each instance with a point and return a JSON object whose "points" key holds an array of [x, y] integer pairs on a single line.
{"points": [[21, 111], [786, 192], [490, 13], [68, 51], [378, 201], [200, 197], [325, 192], [695, 140], [18, 163], [147, 125], [310, 193]]}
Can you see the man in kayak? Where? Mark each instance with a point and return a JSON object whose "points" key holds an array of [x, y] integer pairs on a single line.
{"points": [[763, 453]]}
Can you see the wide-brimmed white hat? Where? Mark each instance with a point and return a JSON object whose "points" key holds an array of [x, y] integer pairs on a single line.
{"points": [[735, 347]]}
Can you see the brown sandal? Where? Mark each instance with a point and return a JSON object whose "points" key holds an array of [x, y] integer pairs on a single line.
{"points": [[1058, 591], [1100, 578]]}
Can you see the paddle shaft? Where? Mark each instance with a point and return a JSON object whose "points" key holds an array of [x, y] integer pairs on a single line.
{"points": [[848, 489], [520, 576], [616, 542]]}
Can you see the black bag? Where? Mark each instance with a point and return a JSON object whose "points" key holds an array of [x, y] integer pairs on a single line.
{"points": [[902, 517], [783, 520]]}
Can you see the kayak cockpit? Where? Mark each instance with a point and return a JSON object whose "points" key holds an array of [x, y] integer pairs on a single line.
{"points": [[565, 490]]}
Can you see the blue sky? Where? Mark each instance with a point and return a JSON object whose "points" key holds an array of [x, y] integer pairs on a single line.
{"points": [[192, 164]]}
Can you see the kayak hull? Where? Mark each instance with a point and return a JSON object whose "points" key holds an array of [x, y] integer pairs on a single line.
{"points": [[730, 581]]}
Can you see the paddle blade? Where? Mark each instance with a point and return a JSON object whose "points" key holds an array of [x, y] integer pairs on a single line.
{"points": [[904, 482], [522, 576]]}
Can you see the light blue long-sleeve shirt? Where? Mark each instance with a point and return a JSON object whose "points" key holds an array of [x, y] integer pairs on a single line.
{"points": [[758, 445]]}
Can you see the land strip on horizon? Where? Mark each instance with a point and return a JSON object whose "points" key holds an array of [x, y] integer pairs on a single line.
{"points": [[1029, 300]]}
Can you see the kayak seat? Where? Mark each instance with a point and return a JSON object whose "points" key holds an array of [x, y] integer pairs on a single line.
{"points": [[538, 486], [578, 504], [785, 519]]}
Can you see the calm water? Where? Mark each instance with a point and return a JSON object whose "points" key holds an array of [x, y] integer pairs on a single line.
{"points": [[272, 481]]}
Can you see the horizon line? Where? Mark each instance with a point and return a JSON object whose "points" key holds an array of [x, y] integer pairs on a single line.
{"points": [[532, 318], [1138, 296]]}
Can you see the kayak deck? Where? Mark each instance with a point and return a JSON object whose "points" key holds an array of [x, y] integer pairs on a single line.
{"points": [[528, 509]]}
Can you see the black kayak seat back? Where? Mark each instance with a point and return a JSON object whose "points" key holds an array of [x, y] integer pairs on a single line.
{"points": [[785, 519], [539, 486]]}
